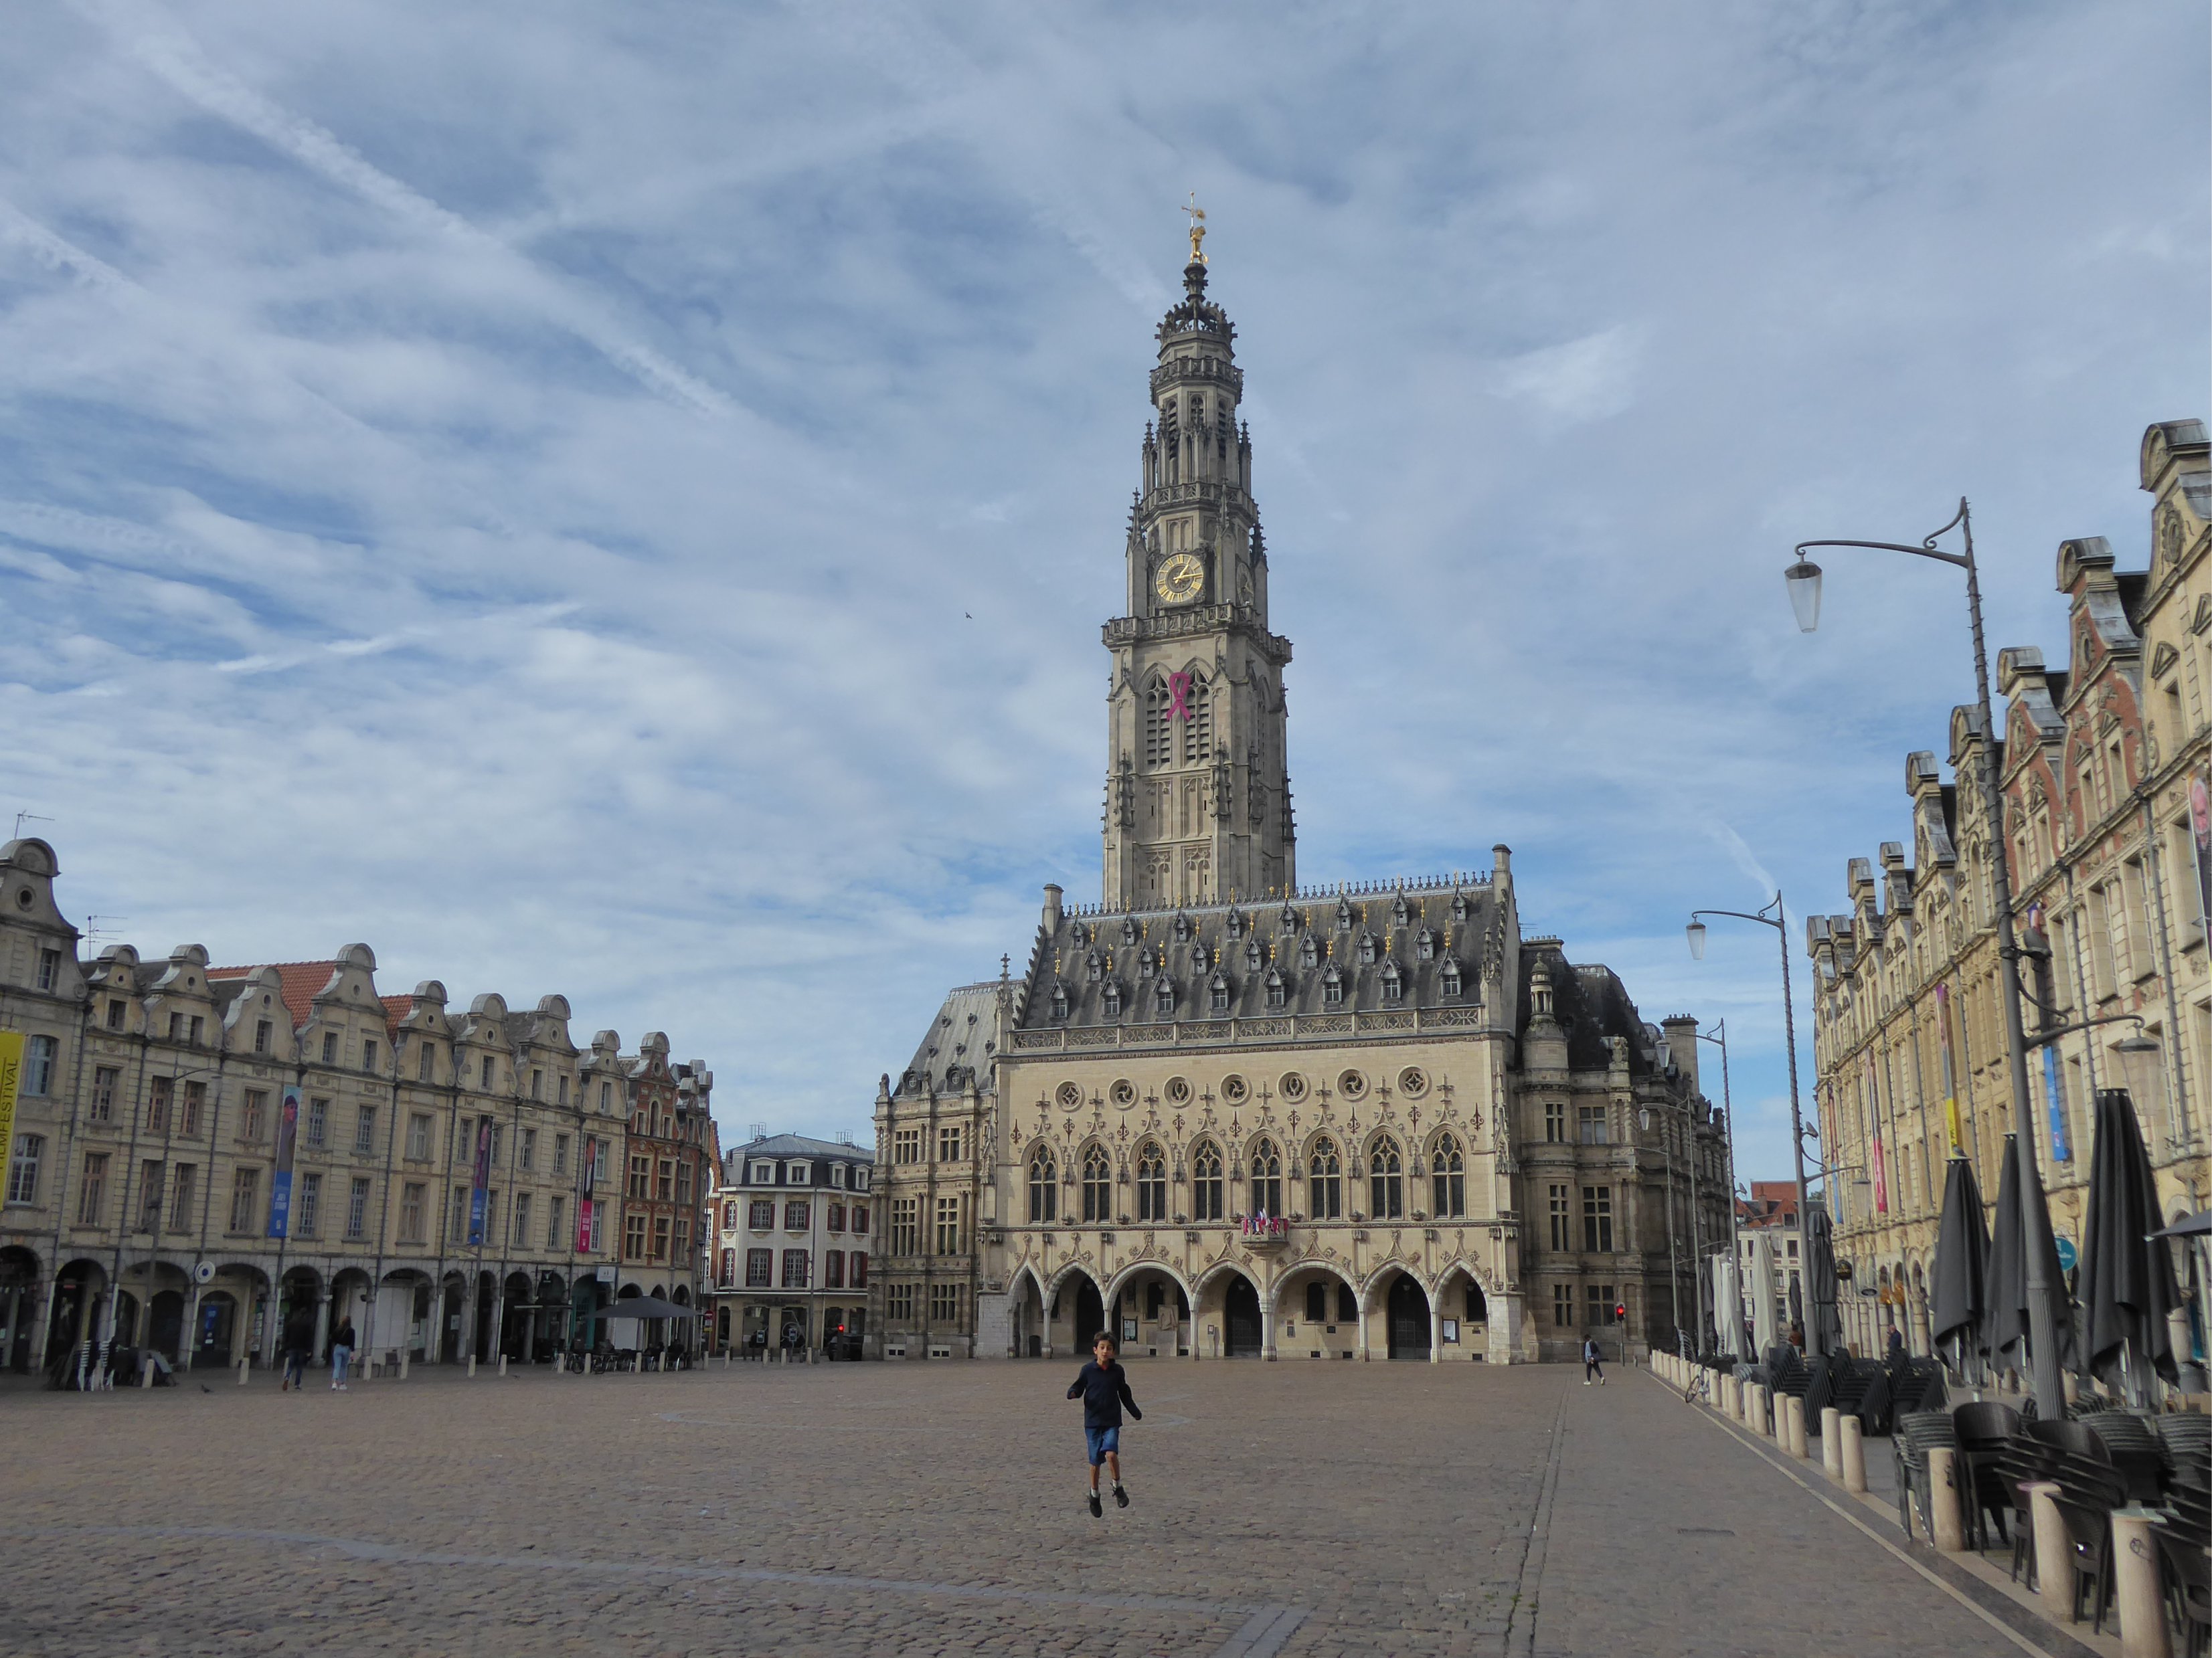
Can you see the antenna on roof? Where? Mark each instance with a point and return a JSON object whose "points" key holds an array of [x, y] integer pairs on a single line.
{"points": [[92, 929], [844, 1136], [23, 817], [759, 1130]]}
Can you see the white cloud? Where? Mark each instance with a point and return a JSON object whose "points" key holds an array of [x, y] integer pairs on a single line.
{"points": [[361, 538]]}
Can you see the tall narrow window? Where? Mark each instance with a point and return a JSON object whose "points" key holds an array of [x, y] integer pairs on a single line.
{"points": [[184, 1196], [357, 1206], [364, 1130], [1044, 1189], [1267, 1179], [951, 1234], [1449, 1170], [244, 1199], [1151, 1183], [1597, 1219], [1097, 1186], [23, 1168], [1325, 1181], [1562, 1220], [1386, 1175], [556, 1234], [159, 1092], [308, 1204], [1206, 1194], [106, 1079], [188, 1119]]}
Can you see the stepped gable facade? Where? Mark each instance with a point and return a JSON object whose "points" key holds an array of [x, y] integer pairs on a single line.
{"points": [[1225, 1115]]}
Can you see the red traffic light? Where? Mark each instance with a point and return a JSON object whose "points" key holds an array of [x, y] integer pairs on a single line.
{"points": [[1621, 1311]]}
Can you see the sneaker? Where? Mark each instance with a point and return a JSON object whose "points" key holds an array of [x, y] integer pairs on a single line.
{"points": [[1097, 1508], [284, 1385], [1120, 1497], [1585, 1382], [1600, 1381]]}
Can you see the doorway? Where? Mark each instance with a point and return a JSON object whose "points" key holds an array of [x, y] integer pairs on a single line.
{"points": [[1090, 1314], [1409, 1319], [1239, 1308]]}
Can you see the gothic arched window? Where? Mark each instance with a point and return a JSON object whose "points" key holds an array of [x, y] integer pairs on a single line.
{"points": [[1151, 1183], [1267, 1179], [1197, 722], [1098, 1185], [1206, 1184], [1044, 1187], [1325, 1181], [1449, 1168], [1387, 1176]]}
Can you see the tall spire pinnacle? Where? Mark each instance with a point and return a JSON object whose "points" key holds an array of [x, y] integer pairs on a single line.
{"points": [[1197, 229]]}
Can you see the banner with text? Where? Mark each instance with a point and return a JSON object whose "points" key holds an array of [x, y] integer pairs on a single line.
{"points": [[480, 1183], [280, 1179], [11, 1079]]}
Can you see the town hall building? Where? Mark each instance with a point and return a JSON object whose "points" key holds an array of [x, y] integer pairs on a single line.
{"points": [[1224, 1115]]}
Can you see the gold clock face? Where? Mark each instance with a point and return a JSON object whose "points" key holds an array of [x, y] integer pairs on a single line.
{"points": [[1180, 578]]}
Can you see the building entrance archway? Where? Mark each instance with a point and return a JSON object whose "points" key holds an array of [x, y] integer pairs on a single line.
{"points": [[1409, 1318], [1090, 1314], [1239, 1319]]}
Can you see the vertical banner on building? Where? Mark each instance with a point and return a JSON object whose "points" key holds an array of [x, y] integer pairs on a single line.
{"points": [[480, 1182], [585, 1201], [2200, 837], [11, 1079], [280, 1178], [1950, 1072], [2061, 1151], [1881, 1163]]}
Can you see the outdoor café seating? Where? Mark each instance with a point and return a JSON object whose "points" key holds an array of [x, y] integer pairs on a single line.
{"points": [[1916, 1436], [1984, 1427]]}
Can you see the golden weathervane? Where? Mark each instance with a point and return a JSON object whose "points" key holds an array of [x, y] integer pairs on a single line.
{"points": [[1197, 229]]}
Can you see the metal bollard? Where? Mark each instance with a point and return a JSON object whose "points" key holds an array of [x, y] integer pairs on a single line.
{"points": [[1946, 1522], [1853, 1438], [1793, 1408], [2137, 1595], [1832, 1440]]}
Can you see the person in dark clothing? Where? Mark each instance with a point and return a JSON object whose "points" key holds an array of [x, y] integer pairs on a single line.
{"points": [[1592, 1361], [1104, 1386], [1896, 1344], [299, 1346]]}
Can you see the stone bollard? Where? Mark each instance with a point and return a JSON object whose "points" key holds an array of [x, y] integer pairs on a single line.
{"points": [[1852, 1440], [406, 1359], [1733, 1407], [1947, 1524], [1794, 1409], [1755, 1411], [2137, 1593], [473, 1366], [145, 1370], [502, 1363], [2054, 1552], [1832, 1440], [243, 1365]]}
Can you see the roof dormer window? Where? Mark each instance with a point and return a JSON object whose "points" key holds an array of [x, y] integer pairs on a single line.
{"points": [[761, 1174], [1278, 992], [1163, 996], [1111, 999], [1059, 1000], [1451, 975], [1308, 952], [1394, 985], [1367, 949], [798, 1174], [1220, 991], [1425, 945], [1255, 955], [1332, 987]]}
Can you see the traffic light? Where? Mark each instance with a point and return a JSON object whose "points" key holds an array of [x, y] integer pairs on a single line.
{"points": [[1620, 1312]]}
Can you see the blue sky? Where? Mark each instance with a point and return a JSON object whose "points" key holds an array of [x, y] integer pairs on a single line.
{"points": [[620, 501]]}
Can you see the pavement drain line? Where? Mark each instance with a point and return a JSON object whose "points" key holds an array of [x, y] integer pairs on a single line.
{"points": [[1522, 1613], [1262, 1634], [2040, 1639]]}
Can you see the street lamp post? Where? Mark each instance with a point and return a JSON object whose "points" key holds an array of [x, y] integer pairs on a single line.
{"points": [[1736, 1238], [1778, 922], [1802, 579]]}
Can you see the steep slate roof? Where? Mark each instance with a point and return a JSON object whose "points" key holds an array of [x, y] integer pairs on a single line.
{"points": [[1462, 920], [797, 1145], [959, 1043], [1590, 1002]]}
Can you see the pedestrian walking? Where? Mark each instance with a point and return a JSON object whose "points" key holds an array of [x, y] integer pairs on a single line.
{"points": [[299, 1346], [1592, 1361], [342, 1355], [1896, 1352], [1104, 1386]]}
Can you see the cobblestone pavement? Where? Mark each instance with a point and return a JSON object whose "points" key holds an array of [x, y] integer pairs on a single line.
{"points": [[929, 1508]]}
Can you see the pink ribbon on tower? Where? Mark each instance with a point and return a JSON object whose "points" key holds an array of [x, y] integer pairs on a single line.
{"points": [[1179, 689]]}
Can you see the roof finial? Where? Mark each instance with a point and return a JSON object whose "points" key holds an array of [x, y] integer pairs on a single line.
{"points": [[1197, 229]]}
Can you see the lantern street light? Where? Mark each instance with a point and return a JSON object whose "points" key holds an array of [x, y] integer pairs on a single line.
{"points": [[1696, 932], [1802, 579]]}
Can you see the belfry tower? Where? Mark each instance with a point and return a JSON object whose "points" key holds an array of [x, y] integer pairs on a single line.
{"points": [[1198, 799]]}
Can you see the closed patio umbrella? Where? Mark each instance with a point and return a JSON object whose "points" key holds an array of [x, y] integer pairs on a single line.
{"points": [[2004, 1320], [1763, 1331], [2190, 1226], [2127, 1285], [1823, 1332], [1962, 1261]]}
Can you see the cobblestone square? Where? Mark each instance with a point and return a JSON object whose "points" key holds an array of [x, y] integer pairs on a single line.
{"points": [[929, 1508]]}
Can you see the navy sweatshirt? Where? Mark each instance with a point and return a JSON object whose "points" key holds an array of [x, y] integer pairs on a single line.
{"points": [[1103, 1393]]}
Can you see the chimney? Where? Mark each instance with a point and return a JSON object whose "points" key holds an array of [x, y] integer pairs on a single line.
{"points": [[1682, 1044], [1051, 907]]}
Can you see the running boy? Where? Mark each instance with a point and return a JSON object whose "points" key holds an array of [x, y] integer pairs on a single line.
{"points": [[1104, 1386]]}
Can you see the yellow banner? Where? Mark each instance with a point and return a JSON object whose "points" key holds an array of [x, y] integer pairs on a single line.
{"points": [[1950, 1083], [11, 1075]]}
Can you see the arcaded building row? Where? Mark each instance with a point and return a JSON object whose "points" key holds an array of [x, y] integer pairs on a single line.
{"points": [[200, 1150]]}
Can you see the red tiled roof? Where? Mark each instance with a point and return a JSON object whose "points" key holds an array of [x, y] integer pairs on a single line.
{"points": [[301, 981]]}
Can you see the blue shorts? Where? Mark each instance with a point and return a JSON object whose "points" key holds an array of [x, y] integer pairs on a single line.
{"points": [[1099, 1441]]}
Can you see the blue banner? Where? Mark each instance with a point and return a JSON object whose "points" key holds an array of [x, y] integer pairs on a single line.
{"points": [[2060, 1150], [480, 1185], [280, 1182]]}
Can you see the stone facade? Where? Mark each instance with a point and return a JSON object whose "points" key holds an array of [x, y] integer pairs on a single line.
{"points": [[183, 1097], [1227, 1115], [2098, 761], [794, 1223]]}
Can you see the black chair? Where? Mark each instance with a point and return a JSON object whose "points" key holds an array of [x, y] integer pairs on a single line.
{"points": [[2088, 1492], [2136, 1452], [2024, 1461], [2186, 1575], [1916, 1436], [1984, 1429]]}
